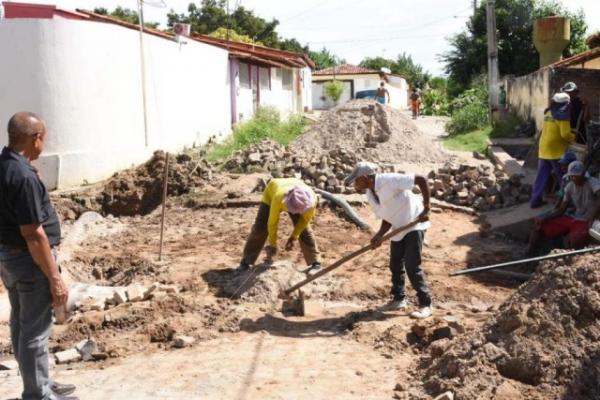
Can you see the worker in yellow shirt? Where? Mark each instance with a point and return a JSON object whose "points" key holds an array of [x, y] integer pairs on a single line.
{"points": [[554, 141], [289, 195]]}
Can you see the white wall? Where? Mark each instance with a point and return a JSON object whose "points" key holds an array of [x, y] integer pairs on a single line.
{"points": [[320, 100], [84, 79]]}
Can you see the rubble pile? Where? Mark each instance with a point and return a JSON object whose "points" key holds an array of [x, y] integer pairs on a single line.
{"points": [[326, 171], [139, 191], [541, 344], [481, 187], [372, 132]]}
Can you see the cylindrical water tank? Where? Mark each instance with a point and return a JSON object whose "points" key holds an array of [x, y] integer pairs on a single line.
{"points": [[550, 36]]}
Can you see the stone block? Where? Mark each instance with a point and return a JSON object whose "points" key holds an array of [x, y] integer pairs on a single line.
{"points": [[7, 365], [67, 356], [135, 292], [183, 341], [120, 296]]}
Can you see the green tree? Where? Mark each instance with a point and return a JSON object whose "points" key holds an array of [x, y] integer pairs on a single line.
{"points": [[325, 58], [334, 90], [516, 52], [125, 14], [224, 33], [403, 65]]}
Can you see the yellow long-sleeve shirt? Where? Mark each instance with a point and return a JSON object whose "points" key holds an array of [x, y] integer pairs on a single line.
{"points": [[273, 197], [556, 137]]}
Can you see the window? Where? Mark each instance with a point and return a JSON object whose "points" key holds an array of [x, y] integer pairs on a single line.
{"points": [[244, 76], [287, 79], [264, 78]]}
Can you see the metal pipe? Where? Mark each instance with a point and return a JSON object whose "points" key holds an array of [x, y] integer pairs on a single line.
{"points": [[526, 260], [143, 67]]}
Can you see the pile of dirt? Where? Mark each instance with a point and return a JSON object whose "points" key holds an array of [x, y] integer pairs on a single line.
{"points": [[376, 133], [542, 344], [263, 284], [138, 191]]}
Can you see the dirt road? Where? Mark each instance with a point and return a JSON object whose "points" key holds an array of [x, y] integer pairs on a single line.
{"points": [[343, 348]]}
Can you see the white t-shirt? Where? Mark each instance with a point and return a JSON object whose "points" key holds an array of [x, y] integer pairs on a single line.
{"points": [[397, 204]]}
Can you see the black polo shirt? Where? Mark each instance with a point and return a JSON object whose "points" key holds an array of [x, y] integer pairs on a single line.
{"points": [[24, 200]]}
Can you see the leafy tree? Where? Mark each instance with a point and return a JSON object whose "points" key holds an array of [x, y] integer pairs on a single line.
{"points": [[333, 90], [516, 52], [593, 40], [325, 59], [403, 65], [125, 14], [224, 33]]}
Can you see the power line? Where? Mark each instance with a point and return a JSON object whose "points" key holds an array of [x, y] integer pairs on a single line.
{"points": [[319, 4]]}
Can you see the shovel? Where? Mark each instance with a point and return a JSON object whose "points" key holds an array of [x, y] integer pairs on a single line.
{"points": [[296, 306]]}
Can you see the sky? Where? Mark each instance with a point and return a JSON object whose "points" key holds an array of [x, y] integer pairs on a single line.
{"points": [[352, 29]]}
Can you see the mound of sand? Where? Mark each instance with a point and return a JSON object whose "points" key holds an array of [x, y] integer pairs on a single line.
{"points": [[263, 284], [392, 138], [542, 344]]}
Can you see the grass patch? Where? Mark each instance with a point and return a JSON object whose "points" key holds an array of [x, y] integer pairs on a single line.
{"points": [[266, 124], [471, 141], [506, 126]]}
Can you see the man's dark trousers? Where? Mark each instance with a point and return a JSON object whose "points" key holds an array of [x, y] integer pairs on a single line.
{"points": [[30, 318], [406, 259]]}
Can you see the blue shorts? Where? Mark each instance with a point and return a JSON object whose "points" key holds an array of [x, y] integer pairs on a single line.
{"points": [[380, 99]]}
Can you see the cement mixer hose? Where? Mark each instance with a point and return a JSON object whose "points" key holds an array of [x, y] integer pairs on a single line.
{"points": [[350, 212]]}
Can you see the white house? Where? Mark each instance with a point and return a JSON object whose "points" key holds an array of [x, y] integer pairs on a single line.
{"points": [[107, 110], [356, 80]]}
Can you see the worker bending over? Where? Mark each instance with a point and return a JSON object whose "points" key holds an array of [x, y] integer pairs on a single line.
{"points": [[289, 195]]}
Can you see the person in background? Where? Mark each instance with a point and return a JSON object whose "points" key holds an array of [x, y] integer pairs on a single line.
{"points": [[563, 164], [556, 137], [294, 197], [583, 193], [391, 197], [579, 111], [29, 233], [415, 103], [381, 94]]}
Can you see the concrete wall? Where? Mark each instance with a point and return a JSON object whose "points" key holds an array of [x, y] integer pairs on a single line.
{"points": [[84, 79], [397, 87], [529, 95], [272, 92], [588, 82]]}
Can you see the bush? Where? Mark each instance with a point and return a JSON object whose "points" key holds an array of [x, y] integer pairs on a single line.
{"points": [[266, 124], [470, 109], [435, 102], [334, 90]]}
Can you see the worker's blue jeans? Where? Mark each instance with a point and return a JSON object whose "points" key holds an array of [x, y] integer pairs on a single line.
{"points": [[30, 318], [545, 169], [405, 259]]}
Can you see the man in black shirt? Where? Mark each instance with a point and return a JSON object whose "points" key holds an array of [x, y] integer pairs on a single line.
{"points": [[579, 112], [29, 229]]}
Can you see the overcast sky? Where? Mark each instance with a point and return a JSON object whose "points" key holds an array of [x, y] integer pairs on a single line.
{"points": [[354, 29]]}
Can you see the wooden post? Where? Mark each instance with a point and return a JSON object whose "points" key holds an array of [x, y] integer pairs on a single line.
{"points": [[164, 205]]}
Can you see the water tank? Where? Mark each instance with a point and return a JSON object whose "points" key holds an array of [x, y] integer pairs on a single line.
{"points": [[550, 36]]}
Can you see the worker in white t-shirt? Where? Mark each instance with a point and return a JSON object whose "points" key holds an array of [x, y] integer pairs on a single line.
{"points": [[396, 205]]}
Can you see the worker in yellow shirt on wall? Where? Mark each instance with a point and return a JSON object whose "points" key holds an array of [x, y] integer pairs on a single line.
{"points": [[289, 195], [554, 141]]}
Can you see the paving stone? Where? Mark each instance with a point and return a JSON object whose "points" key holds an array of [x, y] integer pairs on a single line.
{"points": [[8, 365], [67, 356], [135, 292]]}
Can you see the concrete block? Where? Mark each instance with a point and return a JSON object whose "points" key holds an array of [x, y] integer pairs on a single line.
{"points": [[445, 396], [7, 365], [515, 221], [135, 292], [67, 356], [87, 348], [120, 296], [150, 290], [183, 341]]}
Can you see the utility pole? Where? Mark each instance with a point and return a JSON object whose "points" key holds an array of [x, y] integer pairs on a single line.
{"points": [[474, 7], [143, 66], [493, 74]]}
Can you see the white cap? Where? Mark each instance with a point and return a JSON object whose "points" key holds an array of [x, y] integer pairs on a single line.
{"points": [[362, 168], [561, 98]]}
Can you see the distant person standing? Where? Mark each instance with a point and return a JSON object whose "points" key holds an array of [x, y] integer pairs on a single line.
{"points": [[29, 231], [415, 103], [554, 141], [382, 92], [579, 112]]}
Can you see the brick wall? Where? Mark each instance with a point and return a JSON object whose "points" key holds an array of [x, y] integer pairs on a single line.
{"points": [[588, 82]]}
